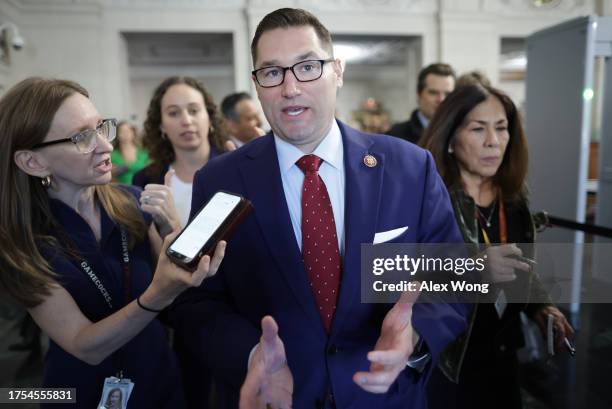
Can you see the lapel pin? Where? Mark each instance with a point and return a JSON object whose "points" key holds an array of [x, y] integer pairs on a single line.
{"points": [[370, 161]]}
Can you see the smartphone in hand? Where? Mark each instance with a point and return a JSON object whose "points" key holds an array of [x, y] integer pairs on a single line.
{"points": [[215, 221]]}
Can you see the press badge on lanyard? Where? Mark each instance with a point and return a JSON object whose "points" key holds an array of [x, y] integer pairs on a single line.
{"points": [[116, 393], [116, 390], [501, 302]]}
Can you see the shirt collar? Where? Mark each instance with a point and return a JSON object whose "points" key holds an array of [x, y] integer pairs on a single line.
{"points": [[74, 224], [329, 149], [236, 141], [423, 119]]}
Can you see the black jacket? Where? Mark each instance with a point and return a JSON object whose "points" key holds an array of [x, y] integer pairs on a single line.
{"points": [[410, 130], [510, 332]]}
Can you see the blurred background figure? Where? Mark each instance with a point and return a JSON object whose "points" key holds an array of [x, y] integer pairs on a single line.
{"points": [[182, 132], [241, 118], [434, 84], [372, 116], [128, 156], [22, 348], [473, 78], [477, 140]]}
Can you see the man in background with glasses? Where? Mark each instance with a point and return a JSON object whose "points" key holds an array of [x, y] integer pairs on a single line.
{"points": [[285, 309]]}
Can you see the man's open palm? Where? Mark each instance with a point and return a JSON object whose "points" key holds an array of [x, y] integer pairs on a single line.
{"points": [[394, 346], [269, 380]]}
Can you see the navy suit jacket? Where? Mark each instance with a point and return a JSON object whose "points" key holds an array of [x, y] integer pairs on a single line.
{"points": [[263, 274]]}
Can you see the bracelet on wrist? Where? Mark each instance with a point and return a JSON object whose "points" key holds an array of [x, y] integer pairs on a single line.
{"points": [[146, 308]]}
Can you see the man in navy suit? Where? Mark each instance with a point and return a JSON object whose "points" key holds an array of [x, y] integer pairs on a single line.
{"points": [[263, 314]]}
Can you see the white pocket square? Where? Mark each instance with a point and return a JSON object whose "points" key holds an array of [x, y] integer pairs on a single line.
{"points": [[384, 236]]}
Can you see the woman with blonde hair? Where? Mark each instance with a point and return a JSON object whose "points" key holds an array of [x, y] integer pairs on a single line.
{"points": [[80, 254]]}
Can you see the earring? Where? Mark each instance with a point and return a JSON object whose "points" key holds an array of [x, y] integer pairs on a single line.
{"points": [[46, 181], [450, 150], [163, 135]]}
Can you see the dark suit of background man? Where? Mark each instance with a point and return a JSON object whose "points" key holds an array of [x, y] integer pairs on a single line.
{"points": [[434, 84], [338, 352]]}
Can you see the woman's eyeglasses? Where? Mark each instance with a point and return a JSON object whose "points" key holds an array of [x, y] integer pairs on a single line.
{"points": [[87, 140]]}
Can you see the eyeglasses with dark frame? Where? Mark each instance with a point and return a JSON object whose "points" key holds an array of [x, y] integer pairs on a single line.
{"points": [[304, 71], [86, 141]]}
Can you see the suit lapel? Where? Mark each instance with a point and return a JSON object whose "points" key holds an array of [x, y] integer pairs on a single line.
{"points": [[361, 204], [261, 175]]}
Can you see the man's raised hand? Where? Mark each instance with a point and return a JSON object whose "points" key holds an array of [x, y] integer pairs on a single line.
{"points": [[269, 382], [393, 348]]}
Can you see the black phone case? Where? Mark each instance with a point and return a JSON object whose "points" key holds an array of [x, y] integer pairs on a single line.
{"points": [[224, 232]]}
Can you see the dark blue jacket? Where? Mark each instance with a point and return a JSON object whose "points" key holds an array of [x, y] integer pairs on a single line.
{"points": [[263, 273]]}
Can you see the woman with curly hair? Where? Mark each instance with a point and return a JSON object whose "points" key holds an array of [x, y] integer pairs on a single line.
{"points": [[182, 132]]}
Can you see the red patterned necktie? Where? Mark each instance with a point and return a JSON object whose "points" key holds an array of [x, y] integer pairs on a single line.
{"points": [[319, 241]]}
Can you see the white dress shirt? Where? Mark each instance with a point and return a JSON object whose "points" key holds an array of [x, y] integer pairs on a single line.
{"points": [[424, 120], [330, 149], [332, 172]]}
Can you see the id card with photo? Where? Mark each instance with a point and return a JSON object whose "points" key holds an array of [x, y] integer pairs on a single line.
{"points": [[116, 393]]}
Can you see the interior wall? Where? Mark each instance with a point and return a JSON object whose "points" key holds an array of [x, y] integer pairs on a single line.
{"points": [[82, 40], [184, 19], [387, 85], [142, 91], [8, 13]]}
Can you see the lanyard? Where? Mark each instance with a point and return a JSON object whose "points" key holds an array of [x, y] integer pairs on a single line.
{"points": [[503, 231], [127, 274], [126, 266], [127, 284]]}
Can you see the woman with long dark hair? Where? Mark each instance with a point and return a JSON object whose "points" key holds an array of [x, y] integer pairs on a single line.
{"points": [[476, 138]]}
